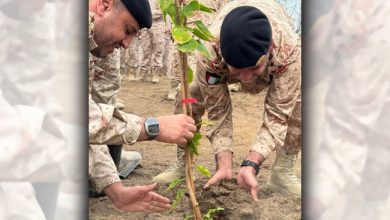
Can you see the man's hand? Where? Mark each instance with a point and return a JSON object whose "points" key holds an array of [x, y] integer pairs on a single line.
{"points": [[246, 178], [224, 171], [137, 198], [176, 129]]}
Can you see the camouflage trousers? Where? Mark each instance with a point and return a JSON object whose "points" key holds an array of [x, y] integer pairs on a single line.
{"points": [[130, 57], [153, 45]]}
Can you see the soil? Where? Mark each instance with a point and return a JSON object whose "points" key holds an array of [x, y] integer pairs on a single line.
{"points": [[147, 99]]}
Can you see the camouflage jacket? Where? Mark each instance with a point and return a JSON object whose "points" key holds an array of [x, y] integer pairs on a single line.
{"points": [[282, 76], [107, 125]]}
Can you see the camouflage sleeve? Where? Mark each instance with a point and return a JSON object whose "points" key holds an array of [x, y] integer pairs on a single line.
{"points": [[283, 96], [217, 105], [106, 80], [101, 168], [108, 125]]}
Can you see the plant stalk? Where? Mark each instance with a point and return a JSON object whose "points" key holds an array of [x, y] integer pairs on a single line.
{"points": [[185, 94]]}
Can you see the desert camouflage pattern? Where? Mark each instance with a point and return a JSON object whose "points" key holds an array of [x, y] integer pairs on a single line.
{"points": [[106, 80], [107, 125], [282, 78], [152, 44]]}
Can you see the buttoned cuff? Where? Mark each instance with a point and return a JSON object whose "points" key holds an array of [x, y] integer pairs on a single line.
{"points": [[221, 144], [133, 129], [261, 149]]}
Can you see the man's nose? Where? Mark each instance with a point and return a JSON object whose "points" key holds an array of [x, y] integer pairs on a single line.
{"points": [[127, 41]]}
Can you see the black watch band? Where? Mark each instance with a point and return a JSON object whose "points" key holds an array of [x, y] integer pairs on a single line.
{"points": [[248, 163]]}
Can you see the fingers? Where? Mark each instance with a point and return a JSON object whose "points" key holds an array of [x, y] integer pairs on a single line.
{"points": [[254, 193], [182, 141], [188, 119], [159, 198], [150, 187], [213, 180], [157, 207], [192, 128], [188, 135], [248, 181], [189, 123], [157, 203]]}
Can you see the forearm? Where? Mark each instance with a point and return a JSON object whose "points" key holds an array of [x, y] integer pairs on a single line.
{"points": [[108, 125], [102, 170]]}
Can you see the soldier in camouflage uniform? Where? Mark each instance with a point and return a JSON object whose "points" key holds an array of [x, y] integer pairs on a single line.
{"points": [[108, 125], [152, 45], [259, 59], [129, 60]]}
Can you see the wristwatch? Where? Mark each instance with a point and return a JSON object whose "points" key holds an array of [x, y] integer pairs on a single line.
{"points": [[248, 163], [152, 128]]}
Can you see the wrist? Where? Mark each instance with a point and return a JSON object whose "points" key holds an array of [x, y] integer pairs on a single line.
{"points": [[142, 136], [113, 191], [255, 157], [152, 128], [254, 167]]}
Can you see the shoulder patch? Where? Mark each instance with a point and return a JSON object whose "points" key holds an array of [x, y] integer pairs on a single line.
{"points": [[212, 79]]}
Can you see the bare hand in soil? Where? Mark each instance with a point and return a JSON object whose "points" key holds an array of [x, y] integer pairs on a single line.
{"points": [[137, 198], [224, 164], [176, 129], [246, 178], [218, 176]]}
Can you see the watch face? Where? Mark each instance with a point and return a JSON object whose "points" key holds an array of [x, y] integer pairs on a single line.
{"points": [[154, 129]]}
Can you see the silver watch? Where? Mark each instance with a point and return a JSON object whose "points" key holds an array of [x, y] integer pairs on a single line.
{"points": [[152, 128]]}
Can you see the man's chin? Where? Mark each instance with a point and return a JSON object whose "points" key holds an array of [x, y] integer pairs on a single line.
{"points": [[99, 53]]}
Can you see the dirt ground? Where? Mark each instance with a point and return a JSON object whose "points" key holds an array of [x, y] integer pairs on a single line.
{"points": [[146, 99]]}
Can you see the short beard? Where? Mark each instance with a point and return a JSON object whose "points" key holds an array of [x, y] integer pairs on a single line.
{"points": [[98, 52], [99, 40]]}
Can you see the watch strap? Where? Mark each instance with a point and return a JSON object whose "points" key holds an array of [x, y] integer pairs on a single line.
{"points": [[248, 163]]}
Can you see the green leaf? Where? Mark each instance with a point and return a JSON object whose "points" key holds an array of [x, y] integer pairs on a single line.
{"points": [[205, 122], [204, 8], [203, 170], [203, 50], [192, 7], [200, 34], [164, 6], [172, 13], [193, 144], [203, 28], [181, 35], [190, 75], [178, 198], [188, 47], [211, 212], [175, 183]]}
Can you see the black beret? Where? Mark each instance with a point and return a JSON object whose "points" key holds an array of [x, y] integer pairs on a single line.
{"points": [[245, 36], [140, 9]]}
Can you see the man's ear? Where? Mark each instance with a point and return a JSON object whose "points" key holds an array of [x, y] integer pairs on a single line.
{"points": [[104, 6]]}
